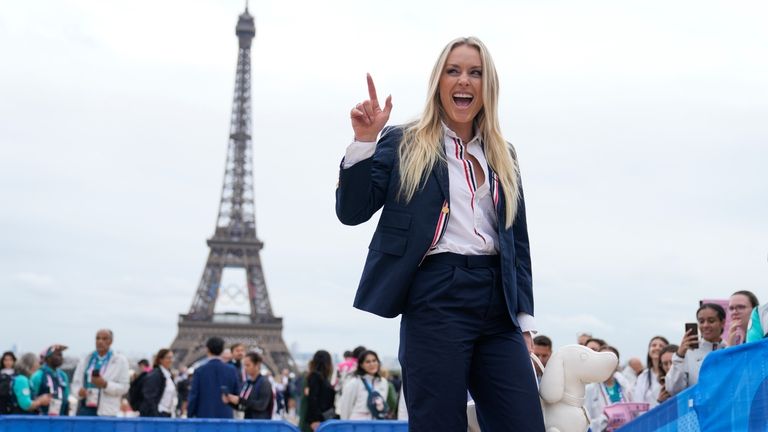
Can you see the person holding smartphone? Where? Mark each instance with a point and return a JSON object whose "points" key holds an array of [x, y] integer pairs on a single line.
{"points": [[666, 363], [101, 379], [686, 362]]}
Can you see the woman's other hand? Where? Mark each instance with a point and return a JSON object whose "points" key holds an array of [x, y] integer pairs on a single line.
{"points": [[368, 119], [43, 400], [685, 344], [735, 333], [528, 341]]}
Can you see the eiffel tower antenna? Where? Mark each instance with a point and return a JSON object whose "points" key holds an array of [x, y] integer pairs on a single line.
{"points": [[235, 244]]}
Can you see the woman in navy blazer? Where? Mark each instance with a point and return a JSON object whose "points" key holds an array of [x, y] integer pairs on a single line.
{"points": [[450, 252]]}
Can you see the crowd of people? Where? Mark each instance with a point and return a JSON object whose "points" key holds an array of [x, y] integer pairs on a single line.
{"points": [[668, 368], [230, 383], [233, 383]]}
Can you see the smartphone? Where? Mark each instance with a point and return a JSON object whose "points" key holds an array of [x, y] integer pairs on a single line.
{"points": [[694, 328], [224, 390], [95, 373]]}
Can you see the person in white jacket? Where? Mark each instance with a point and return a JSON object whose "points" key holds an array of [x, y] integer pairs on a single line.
{"points": [[647, 386], [101, 379], [597, 396], [687, 361], [353, 404]]}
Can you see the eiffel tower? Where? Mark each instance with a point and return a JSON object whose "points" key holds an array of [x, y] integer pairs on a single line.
{"points": [[235, 245]]}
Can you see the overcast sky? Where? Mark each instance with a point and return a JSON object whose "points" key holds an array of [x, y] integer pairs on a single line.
{"points": [[640, 126]]}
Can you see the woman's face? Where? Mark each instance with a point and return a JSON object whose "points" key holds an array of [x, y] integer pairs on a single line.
{"points": [[655, 348], [710, 325], [371, 364], [8, 362], [34, 368], [167, 361], [740, 308], [461, 87], [666, 361], [251, 369]]}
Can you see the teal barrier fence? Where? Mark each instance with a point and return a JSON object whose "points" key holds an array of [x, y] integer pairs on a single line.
{"points": [[731, 395], [95, 424]]}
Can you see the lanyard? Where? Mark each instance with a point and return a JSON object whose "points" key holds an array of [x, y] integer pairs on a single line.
{"points": [[97, 363], [249, 386], [607, 394], [54, 385]]}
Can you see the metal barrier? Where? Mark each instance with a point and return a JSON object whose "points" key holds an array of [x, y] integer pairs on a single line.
{"points": [[363, 426], [27, 423]]}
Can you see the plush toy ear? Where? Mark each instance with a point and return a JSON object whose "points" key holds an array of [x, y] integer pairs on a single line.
{"points": [[553, 380]]}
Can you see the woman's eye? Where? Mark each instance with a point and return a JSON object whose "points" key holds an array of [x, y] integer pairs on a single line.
{"points": [[451, 71], [477, 73]]}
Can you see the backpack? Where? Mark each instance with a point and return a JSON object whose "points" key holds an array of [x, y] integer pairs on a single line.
{"points": [[136, 391], [377, 404], [8, 403]]}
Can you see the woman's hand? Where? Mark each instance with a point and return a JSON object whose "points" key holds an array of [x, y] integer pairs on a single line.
{"points": [[528, 341], [314, 425], [230, 398], [42, 400], [663, 394], [368, 119], [735, 333], [685, 344]]}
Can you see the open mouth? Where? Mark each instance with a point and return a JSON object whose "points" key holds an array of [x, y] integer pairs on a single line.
{"points": [[462, 100]]}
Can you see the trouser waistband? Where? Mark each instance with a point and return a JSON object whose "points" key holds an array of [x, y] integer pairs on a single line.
{"points": [[468, 261]]}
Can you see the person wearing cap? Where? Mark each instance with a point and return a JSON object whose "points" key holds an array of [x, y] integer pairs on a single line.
{"points": [[101, 379], [51, 380]]}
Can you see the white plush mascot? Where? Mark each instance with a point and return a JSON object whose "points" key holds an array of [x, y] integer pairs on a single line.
{"points": [[561, 389]]}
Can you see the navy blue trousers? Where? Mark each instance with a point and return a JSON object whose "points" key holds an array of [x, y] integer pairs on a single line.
{"points": [[456, 335]]}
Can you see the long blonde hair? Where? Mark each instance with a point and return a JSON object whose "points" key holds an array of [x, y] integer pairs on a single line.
{"points": [[422, 142]]}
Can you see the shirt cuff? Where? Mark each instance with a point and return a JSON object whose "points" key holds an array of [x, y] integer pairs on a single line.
{"points": [[358, 151], [527, 323]]}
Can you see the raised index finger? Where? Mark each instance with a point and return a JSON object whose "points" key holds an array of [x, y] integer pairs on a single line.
{"points": [[372, 91]]}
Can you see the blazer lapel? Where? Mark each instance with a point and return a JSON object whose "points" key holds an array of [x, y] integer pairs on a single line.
{"points": [[441, 174], [495, 187]]}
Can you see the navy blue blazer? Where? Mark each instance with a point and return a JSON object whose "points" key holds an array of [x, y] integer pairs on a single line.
{"points": [[205, 395], [406, 231]]}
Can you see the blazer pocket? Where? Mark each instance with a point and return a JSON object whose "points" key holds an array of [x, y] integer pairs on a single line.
{"points": [[393, 219], [388, 243]]}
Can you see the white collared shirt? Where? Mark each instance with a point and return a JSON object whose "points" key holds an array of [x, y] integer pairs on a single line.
{"points": [[166, 400], [473, 222]]}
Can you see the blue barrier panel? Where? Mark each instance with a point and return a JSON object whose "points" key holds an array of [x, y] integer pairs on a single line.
{"points": [[732, 391], [731, 395], [674, 415], [363, 426], [25, 423]]}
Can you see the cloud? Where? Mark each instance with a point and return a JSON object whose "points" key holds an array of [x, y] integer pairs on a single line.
{"points": [[35, 280], [576, 322]]}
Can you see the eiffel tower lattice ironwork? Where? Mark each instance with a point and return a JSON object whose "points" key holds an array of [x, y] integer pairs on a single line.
{"points": [[235, 244]]}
